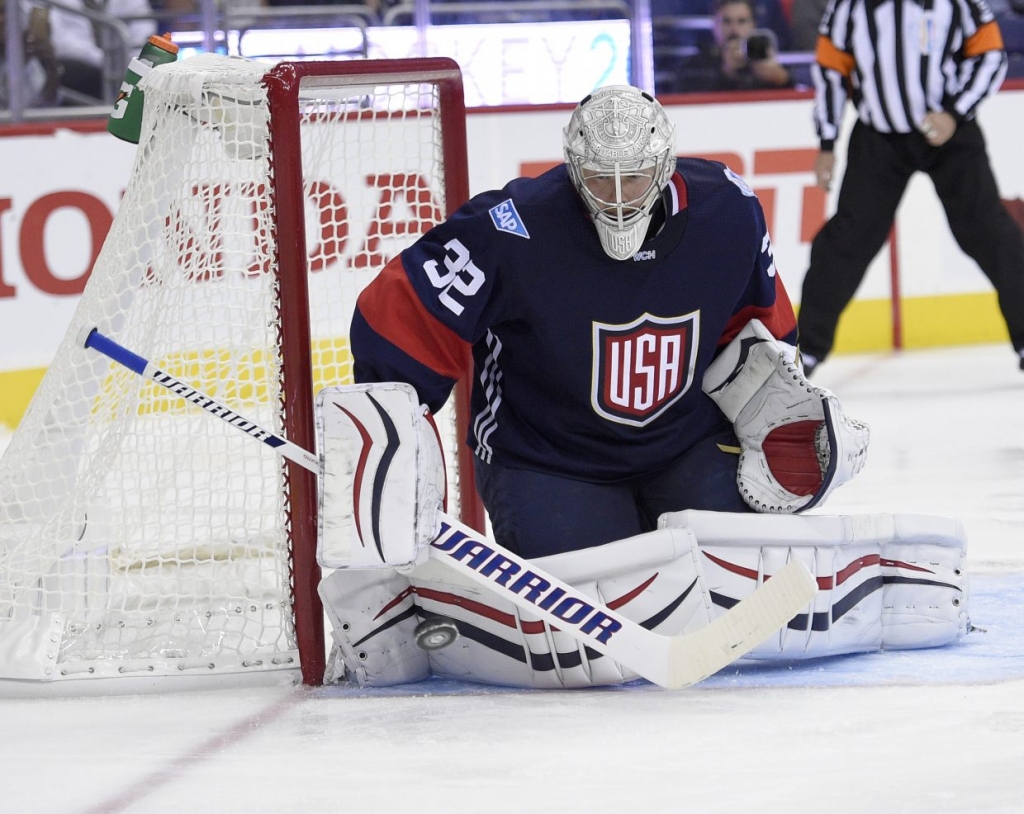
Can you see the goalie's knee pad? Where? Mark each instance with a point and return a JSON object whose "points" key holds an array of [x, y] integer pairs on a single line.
{"points": [[797, 443], [884, 581]]}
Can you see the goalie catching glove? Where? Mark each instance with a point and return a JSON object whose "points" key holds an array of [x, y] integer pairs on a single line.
{"points": [[797, 445]]}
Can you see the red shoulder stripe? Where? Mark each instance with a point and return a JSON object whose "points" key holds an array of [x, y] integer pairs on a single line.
{"points": [[391, 307], [778, 317]]}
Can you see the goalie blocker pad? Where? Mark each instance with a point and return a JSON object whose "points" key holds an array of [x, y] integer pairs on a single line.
{"points": [[885, 582], [383, 478], [797, 445]]}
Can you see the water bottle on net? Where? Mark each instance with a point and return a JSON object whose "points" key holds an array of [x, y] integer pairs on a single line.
{"points": [[125, 119]]}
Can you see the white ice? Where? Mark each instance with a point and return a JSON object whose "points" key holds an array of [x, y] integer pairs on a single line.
{"points": [[934, 732]]}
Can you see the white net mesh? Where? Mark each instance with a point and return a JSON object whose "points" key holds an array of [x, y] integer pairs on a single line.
{"points": [[137, 534]]}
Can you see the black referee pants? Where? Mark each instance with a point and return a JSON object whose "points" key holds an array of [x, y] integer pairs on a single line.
{"points": [[879, 166]]}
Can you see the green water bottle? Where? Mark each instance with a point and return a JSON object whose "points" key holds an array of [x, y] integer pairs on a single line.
{"points": [[125, 120]]}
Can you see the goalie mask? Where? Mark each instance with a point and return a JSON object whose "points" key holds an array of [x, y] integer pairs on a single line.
{"points": [[619, 150]]}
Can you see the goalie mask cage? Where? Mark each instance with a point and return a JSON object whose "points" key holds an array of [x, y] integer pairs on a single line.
{"points": [[140, 538]]}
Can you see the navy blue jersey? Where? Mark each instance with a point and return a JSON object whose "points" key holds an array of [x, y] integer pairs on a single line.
{"points": [[584, 366]]}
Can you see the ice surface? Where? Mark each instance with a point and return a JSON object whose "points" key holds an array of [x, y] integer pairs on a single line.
{"points": [[935, 732]]}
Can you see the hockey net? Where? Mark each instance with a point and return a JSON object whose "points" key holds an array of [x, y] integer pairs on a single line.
{"points": [[140, 537]]}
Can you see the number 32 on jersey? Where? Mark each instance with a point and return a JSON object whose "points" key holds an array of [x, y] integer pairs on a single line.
{"points": [[462, 275]]}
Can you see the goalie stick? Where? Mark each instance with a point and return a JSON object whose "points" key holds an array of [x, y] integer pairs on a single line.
{"points": [[120, 354], [673, 662]]}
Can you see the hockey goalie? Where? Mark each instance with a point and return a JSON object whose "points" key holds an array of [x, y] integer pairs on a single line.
{"points": [[641, 427]]}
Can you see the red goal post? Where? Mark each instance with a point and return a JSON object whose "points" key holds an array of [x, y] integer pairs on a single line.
{"points": [[141, 542], [283, 86]]}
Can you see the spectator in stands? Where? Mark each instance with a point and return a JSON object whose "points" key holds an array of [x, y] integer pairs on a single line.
{"points": [[768, 14], [909, 119], [772, 15], [740, 57], [80, 42], [190, 10], [41, 76]]}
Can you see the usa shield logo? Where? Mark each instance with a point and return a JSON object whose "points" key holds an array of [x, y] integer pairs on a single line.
{"points": [[643, 368]]}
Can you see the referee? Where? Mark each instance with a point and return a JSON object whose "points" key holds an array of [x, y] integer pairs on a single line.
{"points": [[916, 70]]}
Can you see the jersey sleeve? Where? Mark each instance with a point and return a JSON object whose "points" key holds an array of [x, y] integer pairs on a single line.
{"points": [[393, 338], [834, 64], [417, 320], [982, 60], [765, 297]]}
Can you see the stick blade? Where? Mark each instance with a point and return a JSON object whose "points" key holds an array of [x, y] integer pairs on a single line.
{"points": [[697, 655]]}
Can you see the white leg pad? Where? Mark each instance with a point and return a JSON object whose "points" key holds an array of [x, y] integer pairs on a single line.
{"points": [[652, 578], [884, 581], [373, 617]]}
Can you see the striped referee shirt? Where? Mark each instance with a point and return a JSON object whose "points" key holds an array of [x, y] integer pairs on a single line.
{"points": [[901, 59]]}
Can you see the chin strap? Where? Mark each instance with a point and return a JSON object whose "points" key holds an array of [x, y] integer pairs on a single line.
{"points": [[622, 244]]}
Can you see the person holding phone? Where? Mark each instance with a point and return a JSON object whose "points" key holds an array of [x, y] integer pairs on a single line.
{"points": [[740, 56]]}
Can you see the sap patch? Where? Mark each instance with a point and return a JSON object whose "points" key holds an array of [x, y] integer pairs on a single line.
{"points": [[506, 219]]}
